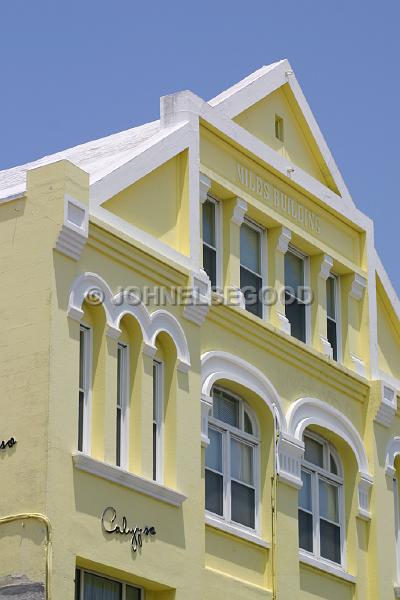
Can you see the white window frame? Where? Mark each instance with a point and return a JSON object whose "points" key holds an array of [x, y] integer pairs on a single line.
{"points": [[158, 420], [123, 404], [307, 283], [87, 387], [122, 582], [228, 431], [337, 295], [323, 473], [396, 500], [263, 259], [218, 240]]}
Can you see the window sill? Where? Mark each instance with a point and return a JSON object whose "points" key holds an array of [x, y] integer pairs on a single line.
{"points": [[231, 529], [331, 569], [86, 463]]}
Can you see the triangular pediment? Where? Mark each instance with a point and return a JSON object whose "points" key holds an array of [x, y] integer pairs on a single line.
{"points": [[277, 120]]}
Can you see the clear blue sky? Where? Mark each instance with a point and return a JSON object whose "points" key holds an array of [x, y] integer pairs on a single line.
{"points": [[75, 70]]}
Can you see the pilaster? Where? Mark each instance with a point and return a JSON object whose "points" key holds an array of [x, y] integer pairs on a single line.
{"points": [[278, 243], [321, 266], [234, 212]]}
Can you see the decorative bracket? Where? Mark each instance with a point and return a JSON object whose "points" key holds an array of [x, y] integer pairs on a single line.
{"points": [[239, 211], [364, 488], [198, 301], [326, 266], [388, 403], [358, 287], [206, 409], [284, 240], [290, 455], [74, 231]]}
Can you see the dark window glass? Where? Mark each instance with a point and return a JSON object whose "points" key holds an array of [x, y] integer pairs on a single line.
{"points": [[251, 284], [225, 408], [210, 264], [296, 315], [97, 588], [313, 452], [80, 420], [214, 492], [330, 541], [332, 337], [209, 223], [132, 593], [305, 531], [77, 584], [243, 504]]}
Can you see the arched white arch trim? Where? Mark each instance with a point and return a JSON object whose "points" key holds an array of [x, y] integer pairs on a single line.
{"points": [[118, 305], [311, 411], [392, 451], [217, 365]]}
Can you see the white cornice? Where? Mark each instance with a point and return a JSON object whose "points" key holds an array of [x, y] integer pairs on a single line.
{"points": [[86, 463]]}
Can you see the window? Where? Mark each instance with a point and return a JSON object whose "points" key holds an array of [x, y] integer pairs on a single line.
{"points": [[89, 586], [279, 128], [210, 241], [396, 496], [122, 401], [295, 305], [251, 266], [231, 461], [84, 387], [157, 419], [321, 501], [332, 313]]}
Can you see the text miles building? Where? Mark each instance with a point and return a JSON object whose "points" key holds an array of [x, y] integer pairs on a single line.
{"points": [[199, 364]]}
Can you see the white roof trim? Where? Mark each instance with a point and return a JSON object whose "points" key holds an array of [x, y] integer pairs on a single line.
{"points": [[265, 81]]}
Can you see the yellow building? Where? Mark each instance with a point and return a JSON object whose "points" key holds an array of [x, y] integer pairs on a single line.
{"points": [[199, 364]]}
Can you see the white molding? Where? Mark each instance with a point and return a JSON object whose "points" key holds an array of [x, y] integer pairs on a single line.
{"points": [[388, 404], [312, 411], [326, 266], [284, 240], [392, 451], [74, 231], [118, 305], [358, 286], [206, 410], [86, 463], [236, 530], [290, 456], [358, 365], [327, 349], [239, 211], [204, 185], [199, 301], [330, 568], [217, 365]]}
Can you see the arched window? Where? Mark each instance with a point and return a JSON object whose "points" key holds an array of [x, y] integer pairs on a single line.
{"points": [[321, 500], [231, 472]]}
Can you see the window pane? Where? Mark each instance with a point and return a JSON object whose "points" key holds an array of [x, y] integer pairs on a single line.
{"points": [[209, 223], [248, 427], [132, 593], [314, 452], [210, 264], [242, 504], [226, 408], [330, 541], [80, 420], [250, 248], [214, 450], [78, 584], [154, 451], [328, 501], [332, 337], [305, 531], [333, 466], [330, 297], [251, 284], [241, 461], [100, 588], [305, 499], [214, 492], [82, 352], [296, 315], [294, 271], [118, 439]]}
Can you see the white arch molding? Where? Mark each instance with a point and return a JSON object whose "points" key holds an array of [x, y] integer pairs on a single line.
{"points": [[125, 303], [392, 451], [217, 365], [312, 411]]}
